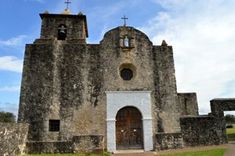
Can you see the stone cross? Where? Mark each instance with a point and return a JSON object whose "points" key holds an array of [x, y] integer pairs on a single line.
{"points": [[67, 2], [124, 18]]}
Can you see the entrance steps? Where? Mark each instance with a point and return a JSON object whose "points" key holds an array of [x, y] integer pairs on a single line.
{"points": [[133, 153]]}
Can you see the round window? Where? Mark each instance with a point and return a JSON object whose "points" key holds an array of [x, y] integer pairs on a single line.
{"points": [[126, 74]]}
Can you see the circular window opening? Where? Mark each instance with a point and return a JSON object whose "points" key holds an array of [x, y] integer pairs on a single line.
{"points": [[126, 74]]}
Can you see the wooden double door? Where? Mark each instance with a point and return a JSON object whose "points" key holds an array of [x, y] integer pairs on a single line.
{"points": [[129, 129]]}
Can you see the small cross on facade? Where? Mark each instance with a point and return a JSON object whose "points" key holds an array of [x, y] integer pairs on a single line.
{"points": [[67, 2], [124, 18]]}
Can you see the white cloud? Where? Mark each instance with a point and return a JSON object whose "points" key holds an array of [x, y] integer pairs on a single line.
{"points": [[11, 63], [203, 35], [10, 89], [13, 42]]}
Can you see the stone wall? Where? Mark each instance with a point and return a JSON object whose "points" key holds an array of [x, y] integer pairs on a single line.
{"points": [[166, 141], [79, 144], [201, 130], [188, 103], [88, 143], [218, 106], [13, 138], [41, 147], [166, 111], [66, 80], [75, 24]]}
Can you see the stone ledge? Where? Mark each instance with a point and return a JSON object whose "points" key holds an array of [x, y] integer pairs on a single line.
{"points": [[78, 144], [165, 141]]}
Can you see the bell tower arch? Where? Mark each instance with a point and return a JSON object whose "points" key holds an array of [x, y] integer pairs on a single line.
{"points": [[64, 26]]}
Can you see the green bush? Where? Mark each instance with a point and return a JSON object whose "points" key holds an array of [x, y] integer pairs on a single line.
{"points": [[229, 126], [7, 117]]}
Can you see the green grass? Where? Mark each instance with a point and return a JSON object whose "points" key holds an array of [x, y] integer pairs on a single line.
{"points": [[231, 133], [211, 152], [67, 154]]}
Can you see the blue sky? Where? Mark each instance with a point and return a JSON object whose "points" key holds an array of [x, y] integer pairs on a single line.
{"points": [[202, 33]]}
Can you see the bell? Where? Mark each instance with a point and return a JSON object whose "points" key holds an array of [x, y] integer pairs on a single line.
{"points": [[62, 32]]}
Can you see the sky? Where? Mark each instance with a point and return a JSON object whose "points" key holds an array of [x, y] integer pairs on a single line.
{"points": [[202, 33]]}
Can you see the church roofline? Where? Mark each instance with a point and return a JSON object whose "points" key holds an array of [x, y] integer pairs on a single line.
{"points": [[142, 91], [126, 27], [79, 16]]}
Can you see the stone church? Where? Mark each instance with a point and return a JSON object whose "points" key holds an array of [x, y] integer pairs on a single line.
{"points": [[117, 94]]}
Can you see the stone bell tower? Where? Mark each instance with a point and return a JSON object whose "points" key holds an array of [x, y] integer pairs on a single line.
{"points": [[44, 75], [64, 26]]}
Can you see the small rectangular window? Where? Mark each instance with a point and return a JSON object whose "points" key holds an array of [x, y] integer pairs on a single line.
{"points": [[54, 125]]}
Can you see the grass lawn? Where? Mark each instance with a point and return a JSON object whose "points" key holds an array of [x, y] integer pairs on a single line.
{"points": [[67, 154], [209, 152], [231, 133]]}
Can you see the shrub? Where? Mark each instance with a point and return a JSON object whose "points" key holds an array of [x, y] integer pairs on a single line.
{"points": [[229, 126], [7, 117]]}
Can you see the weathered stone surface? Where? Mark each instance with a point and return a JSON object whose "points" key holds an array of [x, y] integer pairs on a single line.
{"points": [[88, 143], [76, 26], [165, 141], [202, 130], [188, 104], [79, 144], [218, 106], [13, 138], [66, 80], [166, 106], [41, 147]]}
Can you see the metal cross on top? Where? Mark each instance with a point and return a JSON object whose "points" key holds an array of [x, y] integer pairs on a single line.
{"points": [[124, 18], [67, 2]]}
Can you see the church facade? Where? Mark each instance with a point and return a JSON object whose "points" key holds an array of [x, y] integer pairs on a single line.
{"points": [[120, 93]]}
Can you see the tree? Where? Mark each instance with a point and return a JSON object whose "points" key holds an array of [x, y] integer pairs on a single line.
{"points": [[229, 119], [7, 117]]}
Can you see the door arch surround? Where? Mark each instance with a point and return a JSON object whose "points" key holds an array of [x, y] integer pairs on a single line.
{"points": [[129, 128], [120, 99]]}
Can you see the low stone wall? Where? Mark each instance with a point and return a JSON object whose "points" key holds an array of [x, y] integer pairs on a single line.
{"points": [[166, 141], [88, 143], [79, 144], [202, 130], [13, 137], [49, 147]]}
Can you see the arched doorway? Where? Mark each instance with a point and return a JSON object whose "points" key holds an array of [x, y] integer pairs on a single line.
{"points": [[129, 129]]}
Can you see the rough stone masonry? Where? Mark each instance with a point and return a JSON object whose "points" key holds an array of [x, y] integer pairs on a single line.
{"points": [[116, 95]]}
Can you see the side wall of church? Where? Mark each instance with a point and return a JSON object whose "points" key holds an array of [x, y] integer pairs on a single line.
{"points": [[37, 88]]}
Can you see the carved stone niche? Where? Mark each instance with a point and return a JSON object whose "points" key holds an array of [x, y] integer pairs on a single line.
{"points": [[126, 42]]}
